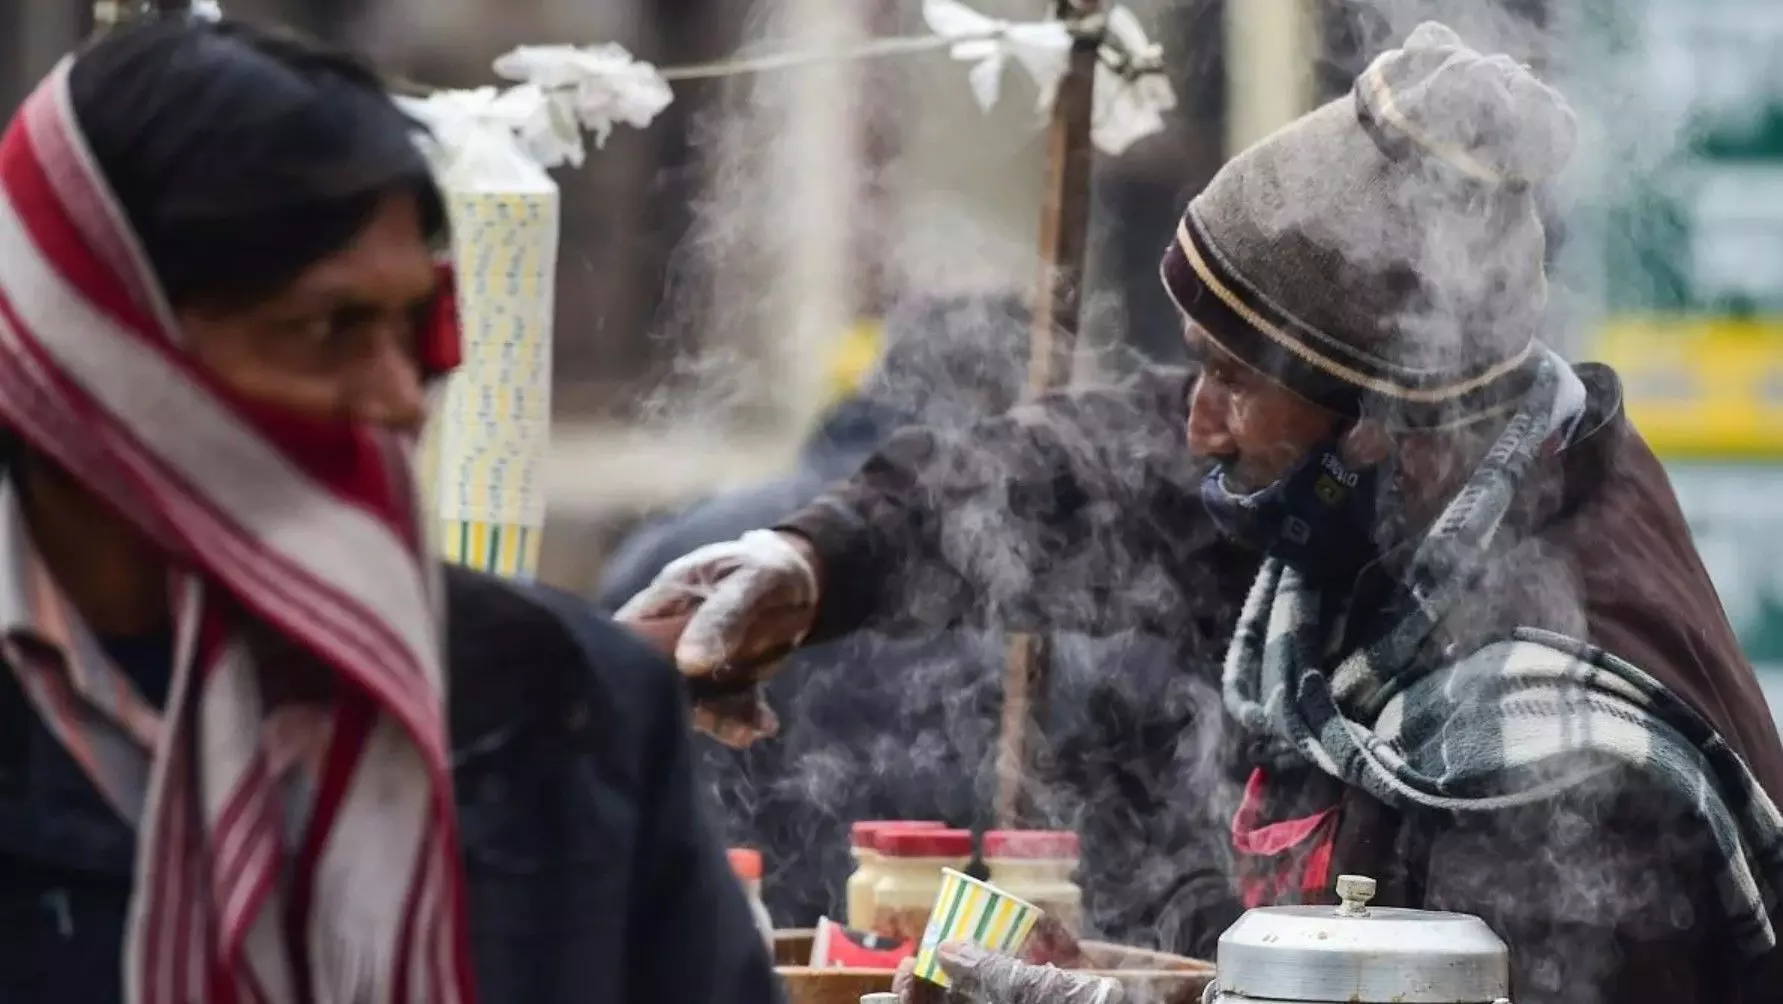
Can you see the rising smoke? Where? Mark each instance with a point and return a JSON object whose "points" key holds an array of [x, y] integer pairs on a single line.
{"points": [[1082, 527]]}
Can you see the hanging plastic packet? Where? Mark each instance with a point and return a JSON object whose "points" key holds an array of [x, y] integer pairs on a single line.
{"points": [[483, 460]]}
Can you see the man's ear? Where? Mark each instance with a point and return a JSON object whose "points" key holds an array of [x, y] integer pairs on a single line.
{"points": [[1366, 444]]}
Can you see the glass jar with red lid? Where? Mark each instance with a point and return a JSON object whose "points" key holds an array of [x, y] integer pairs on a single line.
{"points": [[910, 863]]}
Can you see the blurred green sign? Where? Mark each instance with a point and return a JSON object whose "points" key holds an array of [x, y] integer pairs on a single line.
{"points": [[1736, 515], [1704, 232], [1691, 169]]}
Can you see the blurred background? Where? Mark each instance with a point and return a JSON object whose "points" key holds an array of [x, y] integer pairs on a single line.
{"points": [[723, 272]]}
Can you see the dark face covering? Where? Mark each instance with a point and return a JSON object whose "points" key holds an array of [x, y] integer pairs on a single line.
{"points": [[1322, 517]]}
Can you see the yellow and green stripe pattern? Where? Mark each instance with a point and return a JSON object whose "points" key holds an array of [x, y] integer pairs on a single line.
{"points": [[506, 549], [486, 481], [976, 912]]}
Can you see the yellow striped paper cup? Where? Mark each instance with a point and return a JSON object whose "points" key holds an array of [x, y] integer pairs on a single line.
{"points": [[510, 550], [974, 911]]}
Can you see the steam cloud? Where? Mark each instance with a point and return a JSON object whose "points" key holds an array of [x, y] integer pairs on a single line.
{"points": [[1141, 761]]}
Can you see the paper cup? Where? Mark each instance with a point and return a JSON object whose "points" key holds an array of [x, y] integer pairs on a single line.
{"points": [[510, 550], [976, 912], [484, 464]]}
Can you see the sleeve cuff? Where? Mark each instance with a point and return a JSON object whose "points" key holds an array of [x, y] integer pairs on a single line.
{"points": [[850, 578]]}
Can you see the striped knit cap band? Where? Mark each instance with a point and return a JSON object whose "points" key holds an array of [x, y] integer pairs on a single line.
{"points": [[1382, 255]]}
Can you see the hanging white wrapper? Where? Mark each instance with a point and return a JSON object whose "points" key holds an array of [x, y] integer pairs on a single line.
{"points": [[1042, 48], [590, 88], [1130, 102], [505, 138], [483, 463]]}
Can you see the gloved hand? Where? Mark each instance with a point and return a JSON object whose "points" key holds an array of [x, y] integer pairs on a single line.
{"points": [[726, 613], [984, 977]]}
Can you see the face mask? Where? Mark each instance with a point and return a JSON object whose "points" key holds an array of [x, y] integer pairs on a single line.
{"points": [[1320, 517]]}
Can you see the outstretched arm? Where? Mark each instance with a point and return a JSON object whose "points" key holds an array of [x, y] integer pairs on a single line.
{"points": [[1063, 513]]}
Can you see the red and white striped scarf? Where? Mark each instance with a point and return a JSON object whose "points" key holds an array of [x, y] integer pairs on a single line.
{"points": [[307, 527]]}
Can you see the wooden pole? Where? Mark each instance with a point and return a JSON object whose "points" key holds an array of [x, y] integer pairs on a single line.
{"points": [[1064, 236], [107, 13]]}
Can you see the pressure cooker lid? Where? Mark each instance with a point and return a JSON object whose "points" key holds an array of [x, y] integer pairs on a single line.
{"points": [[1356, 953]]}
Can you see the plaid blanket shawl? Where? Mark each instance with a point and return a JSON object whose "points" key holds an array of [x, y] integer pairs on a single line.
{"points": [[1515, 722]]}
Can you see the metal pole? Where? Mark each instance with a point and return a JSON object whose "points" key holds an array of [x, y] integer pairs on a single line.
{"points": [[1064, 236]]}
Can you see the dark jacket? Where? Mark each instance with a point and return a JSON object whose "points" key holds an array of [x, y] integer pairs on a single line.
{"points": [[1081, 512], [593, 875]]}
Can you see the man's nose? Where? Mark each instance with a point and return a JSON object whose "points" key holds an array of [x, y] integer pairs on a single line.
{"points": [[1208, 413], [390, 392]]}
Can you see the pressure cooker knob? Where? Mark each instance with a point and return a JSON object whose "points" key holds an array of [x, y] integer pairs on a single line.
{"points": [[1355, 891]]}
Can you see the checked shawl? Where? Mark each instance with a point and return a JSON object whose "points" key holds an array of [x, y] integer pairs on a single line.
{"points": [[1512, 723]]}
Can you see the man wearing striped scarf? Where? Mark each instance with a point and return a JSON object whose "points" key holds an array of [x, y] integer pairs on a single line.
{"points": [[1468, 648], [228, 773]]}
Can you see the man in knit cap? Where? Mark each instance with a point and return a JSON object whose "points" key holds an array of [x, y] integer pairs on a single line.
{"points": [[1459, 636]]}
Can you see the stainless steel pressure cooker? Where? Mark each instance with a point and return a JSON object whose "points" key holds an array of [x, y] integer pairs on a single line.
{"points": [[1353, 953]]}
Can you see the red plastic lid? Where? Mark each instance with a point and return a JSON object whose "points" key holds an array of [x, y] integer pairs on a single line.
{"points": [[746, 863], [925, 844], [862, 833], [1032, 844]]}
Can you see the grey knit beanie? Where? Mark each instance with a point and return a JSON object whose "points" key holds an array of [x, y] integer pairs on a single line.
{"points": [[1382, 255]]}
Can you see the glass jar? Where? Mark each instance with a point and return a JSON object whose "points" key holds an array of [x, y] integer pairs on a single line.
{"points": [[862, 837], [1038, 865], [910, 863]]}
